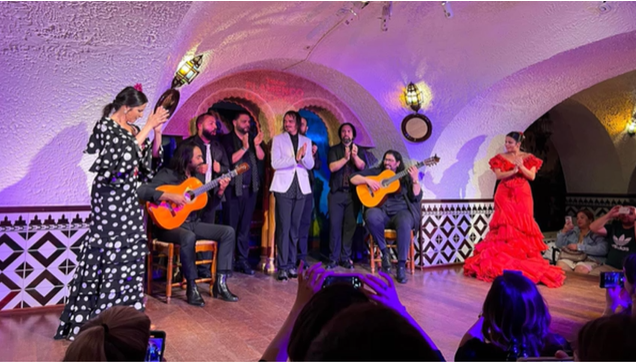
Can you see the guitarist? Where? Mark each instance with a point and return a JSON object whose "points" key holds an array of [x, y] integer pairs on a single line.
{"points": [[184, 164], [401, 210]]}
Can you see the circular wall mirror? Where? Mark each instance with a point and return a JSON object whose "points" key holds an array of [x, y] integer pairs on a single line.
{"points": [[416, 127], [169, 100]]}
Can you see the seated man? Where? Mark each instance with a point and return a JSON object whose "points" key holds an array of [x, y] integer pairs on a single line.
{"points": [[620, 235], [401, 210], [184, 164]]}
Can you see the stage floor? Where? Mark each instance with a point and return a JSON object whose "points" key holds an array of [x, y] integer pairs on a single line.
{"points": [[442, 300]]}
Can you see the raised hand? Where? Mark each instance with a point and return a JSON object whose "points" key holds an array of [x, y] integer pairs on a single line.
{"points": [[314, 149], [382, 290], [246, 141], [347, 153], [259, 138], [216, 167], [158, 118], [301, 152], [310, 281], [613, 213], [518, 161], [354, 150]]}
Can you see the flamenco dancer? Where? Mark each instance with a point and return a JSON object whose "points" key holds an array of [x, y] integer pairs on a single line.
{"points": [[110, 266], [514, 241]]}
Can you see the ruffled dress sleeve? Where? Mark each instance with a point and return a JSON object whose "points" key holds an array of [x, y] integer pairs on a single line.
{"points": [[148, 165], [532, 161], [108, 144], [498, 162]]}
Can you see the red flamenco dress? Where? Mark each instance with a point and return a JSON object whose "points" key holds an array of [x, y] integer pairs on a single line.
{"points": [[514, 241]]}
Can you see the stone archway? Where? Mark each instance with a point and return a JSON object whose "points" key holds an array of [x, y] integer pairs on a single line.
{"points": [[328, 112]]}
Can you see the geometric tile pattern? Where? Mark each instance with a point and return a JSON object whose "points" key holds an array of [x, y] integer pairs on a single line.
{"points": [[598, 204], [38, 255], [449, 230]]}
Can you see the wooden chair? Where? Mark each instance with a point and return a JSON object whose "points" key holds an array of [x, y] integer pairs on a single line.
{"points": [[170, 251], [390, 235]]}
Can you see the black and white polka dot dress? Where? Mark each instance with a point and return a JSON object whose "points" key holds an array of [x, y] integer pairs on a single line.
{"points": [[110, 266]]}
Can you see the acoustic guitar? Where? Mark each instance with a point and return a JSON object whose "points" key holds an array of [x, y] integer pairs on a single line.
{"points": [[170, 216], [390, 182]]}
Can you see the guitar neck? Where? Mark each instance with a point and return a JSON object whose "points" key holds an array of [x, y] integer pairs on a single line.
{"points": [[403, 173], [213, 183]]}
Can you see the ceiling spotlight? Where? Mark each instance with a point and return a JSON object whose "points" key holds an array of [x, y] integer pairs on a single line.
{"points": [[448, 12], [387, 9]]}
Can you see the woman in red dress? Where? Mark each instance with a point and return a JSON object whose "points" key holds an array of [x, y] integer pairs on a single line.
{"points": [[514, 241]]}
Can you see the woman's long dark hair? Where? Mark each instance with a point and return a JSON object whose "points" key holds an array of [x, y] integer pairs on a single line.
{"points": [[129, 97], [182, 157], [516, 317]]}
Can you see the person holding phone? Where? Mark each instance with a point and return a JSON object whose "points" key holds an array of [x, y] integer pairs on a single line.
{"points": [[618, 227], [291, 160], [622, 299], [581, 249]]}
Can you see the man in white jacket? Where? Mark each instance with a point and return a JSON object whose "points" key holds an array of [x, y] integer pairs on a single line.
{"points": [[291, 158]]}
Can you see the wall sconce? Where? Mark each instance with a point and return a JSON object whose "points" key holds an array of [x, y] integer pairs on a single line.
{"points": [[631, 126], [187, 72], [415, 127], [413, 97]]}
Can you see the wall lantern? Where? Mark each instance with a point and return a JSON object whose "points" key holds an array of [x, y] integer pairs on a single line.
{"points": [[415, 127], [413, 96], [187, 72], [631, 126]]}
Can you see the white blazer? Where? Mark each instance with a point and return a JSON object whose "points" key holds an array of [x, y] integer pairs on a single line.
{"points": [[285, 165]]}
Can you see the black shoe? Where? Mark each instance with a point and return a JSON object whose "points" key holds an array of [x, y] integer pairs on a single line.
{"points": [[331, 265], [282, 275], [220, 290], [386, 262], [292, 272], [347, 264], [244, 267], [192, 294], [401, 275]]}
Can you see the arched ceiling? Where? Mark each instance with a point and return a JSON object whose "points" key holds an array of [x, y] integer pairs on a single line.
{"points": [[65, 60]]}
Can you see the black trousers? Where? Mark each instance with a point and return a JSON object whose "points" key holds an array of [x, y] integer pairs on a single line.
{"points": [[343, 219], [288, 216], [305, 224], [208, 215], [237, 213], [402, 222], [186, 237]]}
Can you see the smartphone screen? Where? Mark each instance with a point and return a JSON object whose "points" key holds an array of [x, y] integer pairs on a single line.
{"points": [[346, 279], [623, 210], [568, 219], [611, 279], [156, 346]]}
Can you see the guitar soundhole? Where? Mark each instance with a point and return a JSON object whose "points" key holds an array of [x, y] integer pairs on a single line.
{"points": [[189, 196]]}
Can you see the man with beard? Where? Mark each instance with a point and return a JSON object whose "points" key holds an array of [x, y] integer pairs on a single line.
{"points": [[305, 221], [401, 210], [240, 198], [215, 164], [344, 159], [184, 164]]}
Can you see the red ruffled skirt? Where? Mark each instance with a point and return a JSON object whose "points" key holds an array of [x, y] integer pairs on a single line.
{"points": [[514, 241]]}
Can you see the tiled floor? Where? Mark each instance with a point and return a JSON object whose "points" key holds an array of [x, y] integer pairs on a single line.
{"points": [[443, 301]]}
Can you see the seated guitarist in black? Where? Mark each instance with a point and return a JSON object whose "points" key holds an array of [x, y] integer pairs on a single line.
{"points": [[187, 158], [400, 211]]}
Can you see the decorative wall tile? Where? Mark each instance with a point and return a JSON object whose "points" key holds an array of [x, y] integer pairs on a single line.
{"points": [[597, 204]]}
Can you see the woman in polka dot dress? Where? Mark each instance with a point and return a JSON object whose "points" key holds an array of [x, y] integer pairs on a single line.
{"points": [[110, 265]]}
